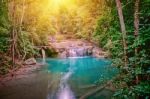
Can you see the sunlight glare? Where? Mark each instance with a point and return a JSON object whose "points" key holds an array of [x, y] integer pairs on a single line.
{"points": [[65, 3]]}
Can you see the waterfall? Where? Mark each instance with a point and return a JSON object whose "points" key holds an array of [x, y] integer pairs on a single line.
{"points": [[72, 53], [77, 52], [43, 56], [81, 52]]}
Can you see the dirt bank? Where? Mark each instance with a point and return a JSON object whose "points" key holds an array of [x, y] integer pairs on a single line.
{"points": [[19, 73]]}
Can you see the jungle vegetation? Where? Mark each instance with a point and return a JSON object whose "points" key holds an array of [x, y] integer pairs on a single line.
{"points": [[120, 27]]}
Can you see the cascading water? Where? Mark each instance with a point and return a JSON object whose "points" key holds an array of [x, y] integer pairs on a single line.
{"points": [[77, 52], [72, 53], [43, 56], [81, 52]]}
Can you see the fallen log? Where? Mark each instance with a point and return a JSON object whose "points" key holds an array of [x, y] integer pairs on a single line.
{"points": [[95, 90], [89, 86]]}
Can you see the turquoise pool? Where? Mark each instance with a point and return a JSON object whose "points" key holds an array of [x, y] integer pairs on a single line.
{"points": [[85, 72], [62, 79]]}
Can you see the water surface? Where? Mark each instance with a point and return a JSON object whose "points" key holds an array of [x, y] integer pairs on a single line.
{"points": [[62, 79]]}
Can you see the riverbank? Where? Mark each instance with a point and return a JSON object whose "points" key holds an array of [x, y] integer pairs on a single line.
{"points": [[79, 74], [20, 72], [64, 48]]}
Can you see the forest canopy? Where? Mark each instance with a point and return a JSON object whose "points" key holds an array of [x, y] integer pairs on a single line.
{"points": [[60, 16]]}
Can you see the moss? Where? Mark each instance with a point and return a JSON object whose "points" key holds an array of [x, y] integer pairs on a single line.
{"points": [[50, 52]]}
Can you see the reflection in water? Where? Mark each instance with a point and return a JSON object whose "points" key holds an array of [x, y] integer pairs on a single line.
{"points": [[62, 79], [64, 91], [75, 74]]}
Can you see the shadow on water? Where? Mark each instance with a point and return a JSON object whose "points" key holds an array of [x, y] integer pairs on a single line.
{"points": [[62, 79]]}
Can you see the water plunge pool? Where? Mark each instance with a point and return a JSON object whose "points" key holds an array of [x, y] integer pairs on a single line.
{"points": [[62, 79]]}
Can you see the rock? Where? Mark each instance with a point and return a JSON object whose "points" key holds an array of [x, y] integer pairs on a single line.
{"points": [[80, 44], [99, 56], [63, 55], [98, 53], [89, 51], [73, 48], [80, 52], [61, 50], [30, 61]]}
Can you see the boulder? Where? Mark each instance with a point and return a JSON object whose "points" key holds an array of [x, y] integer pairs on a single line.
{"points": [[80, 44], [80, 52], [30, 61], [89, 51], [98, 53], [63, 55]]}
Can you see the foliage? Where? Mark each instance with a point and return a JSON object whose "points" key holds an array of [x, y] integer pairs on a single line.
{"points": [[51, 52], [108, 34], [35, 21], [51, 18], [4, 27], [142, 90], [25, 45]]}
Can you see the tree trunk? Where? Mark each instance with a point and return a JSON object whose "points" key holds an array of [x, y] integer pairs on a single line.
{"points": [[136, 22], [123, 30], [20, 27], [136, 32], [136, 18], [16, 20], [12, 4]]}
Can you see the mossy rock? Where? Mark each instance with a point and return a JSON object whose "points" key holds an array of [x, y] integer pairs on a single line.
{"points": [[50, 52]]}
